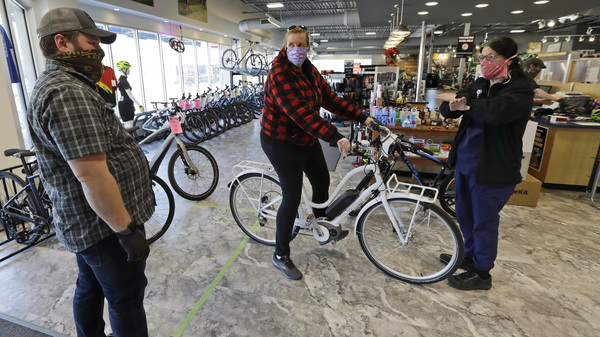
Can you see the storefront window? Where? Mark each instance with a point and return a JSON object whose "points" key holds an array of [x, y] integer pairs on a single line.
{"points": [[203, 65], [172, 68], [125, 49], [188, 62], [150, 58], [216, 70]]}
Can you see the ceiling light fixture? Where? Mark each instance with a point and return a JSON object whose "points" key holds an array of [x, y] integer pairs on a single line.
{"points": [[423, 13], [544, 39], [116, 9], [481, 5], [315, 34], [551, 23], [273, 21], [432, 3], [518, 31], [518, 11], [370, 33], [541, 2], [562, 19], [568, 38], [438, 32], [573, 17], [581, 38], [541, 24], [400, 30], [556, 39], [323, 41], [275, 5], [592, 38], [466, 14]]}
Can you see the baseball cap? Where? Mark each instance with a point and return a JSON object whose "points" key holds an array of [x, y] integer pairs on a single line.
{"points": [[535, 61], [66, 19]]}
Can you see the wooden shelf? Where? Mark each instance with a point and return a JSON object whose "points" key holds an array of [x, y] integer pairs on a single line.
{"points": [[425, 131]]}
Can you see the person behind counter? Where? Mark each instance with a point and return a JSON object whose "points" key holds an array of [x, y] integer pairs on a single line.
{"points": [[290, 125], [533, 66], [487, 155]]}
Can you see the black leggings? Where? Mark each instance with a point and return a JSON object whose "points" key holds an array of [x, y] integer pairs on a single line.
{"points": [[290, 162]]}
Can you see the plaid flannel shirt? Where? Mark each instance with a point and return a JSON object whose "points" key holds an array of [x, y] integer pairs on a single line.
{"points": [[293, 98], [68, 119]]}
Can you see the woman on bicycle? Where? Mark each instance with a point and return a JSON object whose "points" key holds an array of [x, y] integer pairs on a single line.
{"points": [[290, 126], [487, 154]]}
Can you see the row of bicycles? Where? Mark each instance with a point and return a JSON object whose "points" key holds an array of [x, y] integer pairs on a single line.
{"points": [[192, 171]]}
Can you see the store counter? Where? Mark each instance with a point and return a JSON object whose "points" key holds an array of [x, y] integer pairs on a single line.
{"points": [[564, 153]]}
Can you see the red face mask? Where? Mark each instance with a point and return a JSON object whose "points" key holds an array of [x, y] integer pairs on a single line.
{"points": [[494, 69]]}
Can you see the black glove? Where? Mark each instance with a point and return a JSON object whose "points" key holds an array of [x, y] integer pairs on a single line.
{"points": [[134, 243]]}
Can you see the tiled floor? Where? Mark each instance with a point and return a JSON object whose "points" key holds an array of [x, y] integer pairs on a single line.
{"points": [[205, 279]]}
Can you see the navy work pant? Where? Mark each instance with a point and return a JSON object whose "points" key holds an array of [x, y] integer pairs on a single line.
{"points": [[290, 162], [105, 273], [478, 213]]}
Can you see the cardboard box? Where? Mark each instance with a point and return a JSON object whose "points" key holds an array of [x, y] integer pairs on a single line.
{"points": [[525, 164], [527, 192]]}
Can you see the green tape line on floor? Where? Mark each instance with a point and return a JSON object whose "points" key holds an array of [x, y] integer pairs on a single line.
{"points": [[212, 286]]}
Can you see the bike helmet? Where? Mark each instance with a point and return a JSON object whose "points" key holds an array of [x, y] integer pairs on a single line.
{"points": [[596, 115], [123, 65]]}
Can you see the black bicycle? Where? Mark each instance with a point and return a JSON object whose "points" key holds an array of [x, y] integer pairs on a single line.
{"points": [[26, 213]]}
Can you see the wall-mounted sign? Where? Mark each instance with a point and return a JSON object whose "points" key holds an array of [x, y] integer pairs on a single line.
{"points": [[537, 154], [465, 46], [440, 56]]}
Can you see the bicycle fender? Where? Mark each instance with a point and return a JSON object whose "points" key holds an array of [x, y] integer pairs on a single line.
{"points": [[364, 209]]}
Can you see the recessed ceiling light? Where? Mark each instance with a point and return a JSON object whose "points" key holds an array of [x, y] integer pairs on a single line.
{"points": [[315, 34], [433, 3], [481, 5], [518, 31], [423, 13], [324, 41], [541, 2], [438, 32], [518, 11], [275, 5], [466, 14], [370, 33]]}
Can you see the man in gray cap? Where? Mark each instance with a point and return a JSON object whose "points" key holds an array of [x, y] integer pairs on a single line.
{"points": [[95, 173], [533, 66]]}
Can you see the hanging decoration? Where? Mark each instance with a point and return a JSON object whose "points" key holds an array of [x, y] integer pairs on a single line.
{"points": [[177, 43], [392, 56]]}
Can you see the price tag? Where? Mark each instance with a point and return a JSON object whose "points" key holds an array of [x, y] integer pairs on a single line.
{"points": [[175, 125]]}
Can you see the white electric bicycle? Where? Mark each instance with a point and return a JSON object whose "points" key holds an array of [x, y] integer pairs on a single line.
{"points": [[399, 227]]}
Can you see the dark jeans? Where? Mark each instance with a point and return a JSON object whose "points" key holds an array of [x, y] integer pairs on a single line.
{"points": [[105, 273], [290, 162], [478, 213]]}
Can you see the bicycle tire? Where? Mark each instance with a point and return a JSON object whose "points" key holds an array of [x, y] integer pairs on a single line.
{"points": [[193, 185], [192, 130], [139, 120], [229, 59], [164, 210], [254, 64], [447, 194], [244, 196], [433, 232], [22, 231]]}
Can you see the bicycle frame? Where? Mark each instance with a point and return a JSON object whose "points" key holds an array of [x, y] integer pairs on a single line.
{"points": [[400, 190], [164, 148], [39, 205]]}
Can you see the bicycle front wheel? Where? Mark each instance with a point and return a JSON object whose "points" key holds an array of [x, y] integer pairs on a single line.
{"points": [[164, 210], [447, 195], [189, 182], [417, 261], [254, 64], [229, 59], [254, 200], [19, 204]]}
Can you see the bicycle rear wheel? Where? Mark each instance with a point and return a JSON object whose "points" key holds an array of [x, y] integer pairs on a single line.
{"points": [[189, 183], [254, 64], [164, 211], [22, 231], [447, 195], [433, 232], [247, 196], [229, 59]]}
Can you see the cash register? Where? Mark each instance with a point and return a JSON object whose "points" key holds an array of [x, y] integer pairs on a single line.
{"points": [[573, 105]]}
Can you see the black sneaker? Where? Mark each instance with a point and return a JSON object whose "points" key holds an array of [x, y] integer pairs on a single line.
{"points": [[343, 234], [287, 267], [465, 264], [470, 280]]}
